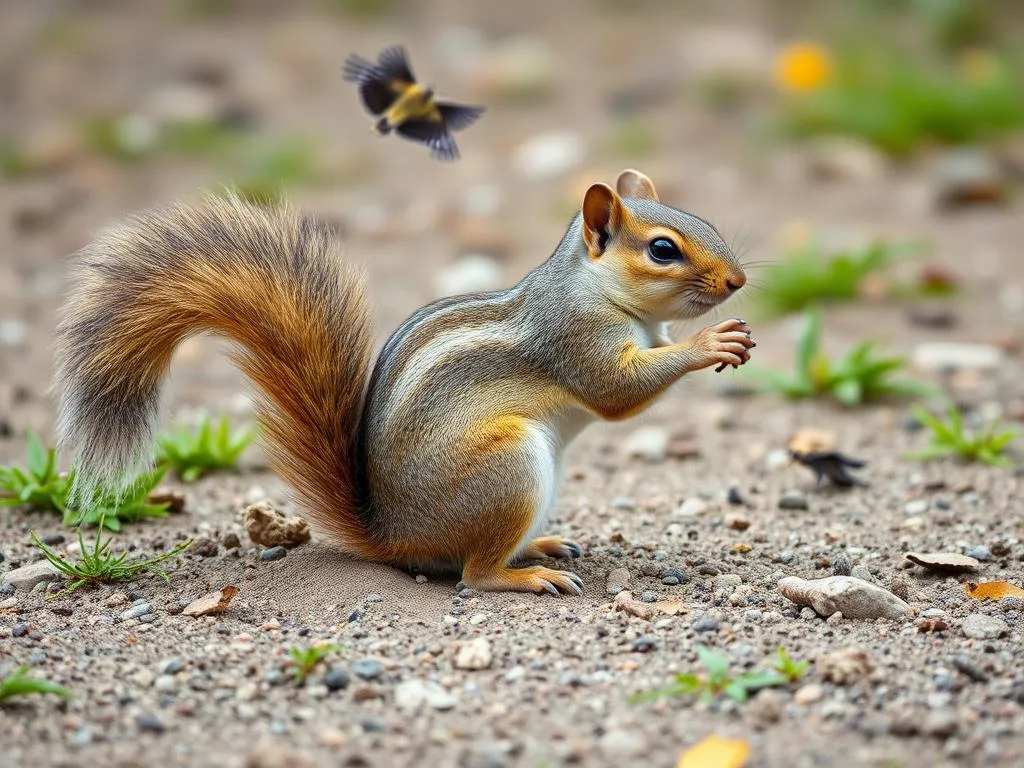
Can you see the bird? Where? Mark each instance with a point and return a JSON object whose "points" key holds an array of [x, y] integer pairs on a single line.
{"points": [[830, 464], [389, 90]]}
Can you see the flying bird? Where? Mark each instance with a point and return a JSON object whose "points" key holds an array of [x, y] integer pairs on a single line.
{"points": [[390, 91]]}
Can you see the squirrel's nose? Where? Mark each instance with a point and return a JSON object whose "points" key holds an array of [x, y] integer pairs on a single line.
{"points": [[735, 282]]}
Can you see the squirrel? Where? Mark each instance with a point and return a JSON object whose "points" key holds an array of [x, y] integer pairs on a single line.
{"points": [[448, 453]]}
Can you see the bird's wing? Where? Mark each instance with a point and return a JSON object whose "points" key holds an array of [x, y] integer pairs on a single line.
{"points": [[394, 65], [434, 134], [458, 116], [374, 90]]}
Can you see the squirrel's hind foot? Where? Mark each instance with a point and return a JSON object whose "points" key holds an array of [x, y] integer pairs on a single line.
{"points": [[551, 546], [535, 578]]}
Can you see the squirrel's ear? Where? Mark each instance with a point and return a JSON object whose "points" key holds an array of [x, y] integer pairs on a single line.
{"points": [[632, 183], [602, 217]]}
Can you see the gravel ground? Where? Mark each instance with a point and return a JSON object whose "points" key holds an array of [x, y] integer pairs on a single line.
{"points": [[710, 513]]}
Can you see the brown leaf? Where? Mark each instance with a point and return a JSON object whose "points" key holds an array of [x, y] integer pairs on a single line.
{"points": [[215, 602], [624, 601], [715, 752], [992, 590], [671, 607], [943, 561]]}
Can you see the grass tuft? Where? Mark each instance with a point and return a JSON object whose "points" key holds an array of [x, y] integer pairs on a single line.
{"points": [[18, 683], [857, 377], [101, 566], [951, 438], [210, 446]]}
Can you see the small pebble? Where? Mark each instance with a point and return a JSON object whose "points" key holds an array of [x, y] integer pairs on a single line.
{"points": [[151, 723], [20, 629], [734, 496], [618, 580], [978, 626], [231, 541], [841, 565], [706, 624], [274, 553], [981, 552], [367, 669], [793, 499], [137, 610], [204, 548], [336, 679], [644, 644], [916, 507], [861, 572], [53, 539], [786, 557]]}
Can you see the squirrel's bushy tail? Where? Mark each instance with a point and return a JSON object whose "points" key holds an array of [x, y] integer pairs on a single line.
{"points": [[267, 279]]}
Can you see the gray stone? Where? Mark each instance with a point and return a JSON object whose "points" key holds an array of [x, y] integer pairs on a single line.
{"points": [[618, 580], [978, 626], [28, 576], [793, 499], [367, 669]]}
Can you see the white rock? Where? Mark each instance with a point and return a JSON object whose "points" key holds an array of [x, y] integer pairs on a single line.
{"points": [[692, 507], [978, 626], [945, 355], [649, 443], [549, 154], [776, 459], [470, 274], [28, 576], [412, 694], [855, 598], [474, 654]]}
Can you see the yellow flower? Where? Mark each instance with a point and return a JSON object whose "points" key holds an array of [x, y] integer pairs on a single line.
{"points": [[803, 67], [979, 66]]}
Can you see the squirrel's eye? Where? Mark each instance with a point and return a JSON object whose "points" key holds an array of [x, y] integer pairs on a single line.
{"points": [[664, 251]]}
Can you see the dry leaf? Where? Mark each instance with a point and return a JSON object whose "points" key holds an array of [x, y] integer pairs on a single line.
{"points": [[715, 752], [741, 549], [215, 602], [943, 561], [624, 601], [992, 590], [671, 607]]}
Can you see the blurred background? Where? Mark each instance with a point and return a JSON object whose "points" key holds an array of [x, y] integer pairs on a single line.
{"points": [[865, 153]]}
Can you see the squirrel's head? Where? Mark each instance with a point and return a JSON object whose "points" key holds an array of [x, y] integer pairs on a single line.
{"points": [[659, 261]]}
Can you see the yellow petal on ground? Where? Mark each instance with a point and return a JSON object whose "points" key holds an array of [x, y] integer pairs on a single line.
{"points": [[992, 590], [715, 752], [803, 67]]}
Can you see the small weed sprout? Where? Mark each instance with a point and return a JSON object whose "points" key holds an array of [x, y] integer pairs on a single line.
{"points": [[857, 377], [101, 566], [716, 681], [211, 446], [304, 660], [951, 438], [18, 683]]}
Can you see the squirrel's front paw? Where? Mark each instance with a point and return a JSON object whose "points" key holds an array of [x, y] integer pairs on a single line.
{"points": [[727, 343]]}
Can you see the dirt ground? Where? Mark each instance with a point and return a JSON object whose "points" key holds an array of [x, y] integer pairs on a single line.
{"points": [[556, 673]]}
